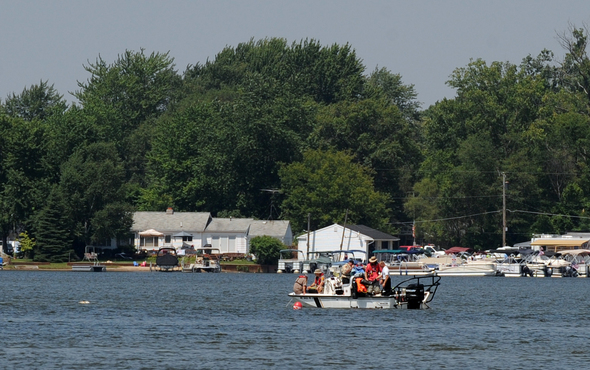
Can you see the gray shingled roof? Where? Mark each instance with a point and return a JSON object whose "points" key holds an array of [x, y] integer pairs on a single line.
{"points": [[173, 222], [230, 225], [370, 232], [270, 228]]}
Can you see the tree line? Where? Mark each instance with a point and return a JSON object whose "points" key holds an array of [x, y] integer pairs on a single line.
{"points": [[269, 129]]}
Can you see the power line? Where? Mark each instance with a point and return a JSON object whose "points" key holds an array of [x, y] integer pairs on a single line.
{"points": [[490, 212], [547, 214], [449, 218]]}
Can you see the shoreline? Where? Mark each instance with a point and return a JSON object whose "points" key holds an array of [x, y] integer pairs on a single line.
{"points": [[121, 268]]}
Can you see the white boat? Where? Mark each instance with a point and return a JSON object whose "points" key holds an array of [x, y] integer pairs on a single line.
{"points": [[468, 268], [404, 262], [207, 260], [289, 261], [413, 293]]}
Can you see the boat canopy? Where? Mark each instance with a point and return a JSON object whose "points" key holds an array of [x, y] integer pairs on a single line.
{"points": [[151, 232], [560, 242], [457, 250], [577, 252]]}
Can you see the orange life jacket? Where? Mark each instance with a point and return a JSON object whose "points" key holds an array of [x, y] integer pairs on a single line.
{"points": [[360, 288]]}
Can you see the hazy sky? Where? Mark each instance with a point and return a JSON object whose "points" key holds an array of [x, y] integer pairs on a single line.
{"points": [[424, 41]]}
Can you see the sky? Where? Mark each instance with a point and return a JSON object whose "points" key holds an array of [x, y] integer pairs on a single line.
{"points": [[423, 41]]}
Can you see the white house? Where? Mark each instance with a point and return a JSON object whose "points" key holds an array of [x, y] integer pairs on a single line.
{"points": [[230, 235], [153, 230], [351, 237]]}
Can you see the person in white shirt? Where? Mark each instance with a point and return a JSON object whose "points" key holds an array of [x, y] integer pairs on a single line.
{"points": [[384, 280]]}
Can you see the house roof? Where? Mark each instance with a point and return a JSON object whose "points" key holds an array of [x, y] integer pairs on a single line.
{"points": [[276, 228], [231, 225], [167, 222], [372, 233]]}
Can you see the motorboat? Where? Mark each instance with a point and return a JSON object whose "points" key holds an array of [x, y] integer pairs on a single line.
{"points": [[167, 259], [579, 260], [207, 260], [468, 268], [414, 293], [404, 262], [317, 260], [289, 261]]}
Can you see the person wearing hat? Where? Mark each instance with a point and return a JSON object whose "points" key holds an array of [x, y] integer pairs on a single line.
{"points": [[318, 283], [373, 271]]}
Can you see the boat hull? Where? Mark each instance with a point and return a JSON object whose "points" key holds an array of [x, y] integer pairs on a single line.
{"points": [[329, 301]]}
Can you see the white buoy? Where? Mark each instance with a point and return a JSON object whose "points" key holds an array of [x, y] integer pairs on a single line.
{"points": [[84, 302]]}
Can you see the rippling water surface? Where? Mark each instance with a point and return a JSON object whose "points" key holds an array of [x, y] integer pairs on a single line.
{"points": [[245, 321]]}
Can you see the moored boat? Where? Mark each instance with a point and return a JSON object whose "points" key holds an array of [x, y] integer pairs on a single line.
{"points": [[289, 261], [468, 268], [166, 259], [207, 260]]}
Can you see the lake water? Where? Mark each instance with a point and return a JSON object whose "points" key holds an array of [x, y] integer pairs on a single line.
{"points": [[245, 321]]}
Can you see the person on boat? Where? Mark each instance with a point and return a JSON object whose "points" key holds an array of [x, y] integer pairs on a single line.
{"points": [[300, 285], [385, 281], [357, 270], [318, 284], [347, 271], [373, 273]]}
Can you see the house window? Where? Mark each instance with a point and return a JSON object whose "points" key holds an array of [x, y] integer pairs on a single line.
{"points": [[148, 241], [167, 239], [187, 238]]}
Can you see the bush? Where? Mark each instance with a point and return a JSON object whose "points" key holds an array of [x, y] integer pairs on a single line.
{"points": [[266, 249]]}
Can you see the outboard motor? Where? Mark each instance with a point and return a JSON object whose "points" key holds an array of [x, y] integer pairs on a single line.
{"points": [[414, 296], [548, 271], [526, 271]]}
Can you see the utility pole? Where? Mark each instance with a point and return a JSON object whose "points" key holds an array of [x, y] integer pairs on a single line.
{"points": [[344, 229], [503, 209], [308, 222]]}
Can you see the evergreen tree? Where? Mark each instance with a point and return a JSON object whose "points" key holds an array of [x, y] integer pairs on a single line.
{"points": [[52, 231]]}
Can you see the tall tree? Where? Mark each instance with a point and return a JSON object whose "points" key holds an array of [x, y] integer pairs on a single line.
{"points": [[53, 231], [37, 102], [327, 184]]}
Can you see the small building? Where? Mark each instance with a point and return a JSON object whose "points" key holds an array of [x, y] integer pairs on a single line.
{"points": [[351, 237]]}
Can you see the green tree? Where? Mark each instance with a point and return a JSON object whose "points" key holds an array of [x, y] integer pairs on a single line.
{"points": [[469, 141], [266, 249], [53, 231], [327, 184], [93, 180], [27, 244], [218, 156], [37, 102]]}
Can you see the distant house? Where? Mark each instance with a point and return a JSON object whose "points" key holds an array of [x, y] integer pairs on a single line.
{"points": [[352, 237], [154, 230], [230, 235]]}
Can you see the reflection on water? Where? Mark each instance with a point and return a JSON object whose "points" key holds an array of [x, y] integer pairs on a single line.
{"points": [[178, 321]]}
